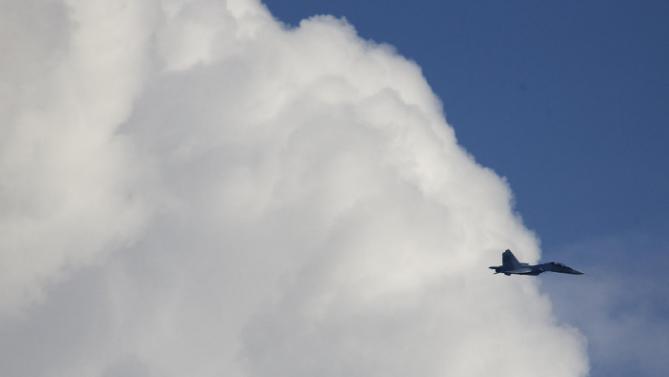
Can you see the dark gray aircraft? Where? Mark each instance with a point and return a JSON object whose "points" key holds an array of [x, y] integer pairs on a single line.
{"points": [[510, 265]]}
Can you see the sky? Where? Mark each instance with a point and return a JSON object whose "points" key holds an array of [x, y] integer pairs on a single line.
{"points": [[206, 188], [568, 101]]}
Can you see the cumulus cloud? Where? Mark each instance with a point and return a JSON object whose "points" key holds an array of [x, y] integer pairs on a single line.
{"points": [[66, 178], [191, 188]]}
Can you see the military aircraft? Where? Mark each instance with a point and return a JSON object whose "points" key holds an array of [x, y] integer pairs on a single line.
{"points": [[511, 266]]}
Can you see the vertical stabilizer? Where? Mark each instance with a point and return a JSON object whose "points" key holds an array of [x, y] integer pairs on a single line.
{"points": [[509, 261]]}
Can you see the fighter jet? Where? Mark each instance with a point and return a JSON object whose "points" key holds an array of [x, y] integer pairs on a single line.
{"points": [[511, 266]]}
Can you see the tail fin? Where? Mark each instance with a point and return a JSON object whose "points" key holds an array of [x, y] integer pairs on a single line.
{"points": [[509, 261]]}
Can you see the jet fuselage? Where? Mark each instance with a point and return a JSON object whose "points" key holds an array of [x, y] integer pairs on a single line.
{"points": [[511, 266]]}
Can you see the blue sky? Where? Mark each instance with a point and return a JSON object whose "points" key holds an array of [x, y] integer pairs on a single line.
{"points": [[569, 100]]}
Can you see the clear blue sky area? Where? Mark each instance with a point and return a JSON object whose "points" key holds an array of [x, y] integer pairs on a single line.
{"points": [[570, 101]]}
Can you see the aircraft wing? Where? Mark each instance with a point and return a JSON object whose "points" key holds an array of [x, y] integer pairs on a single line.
{"points": [[520, 270]]}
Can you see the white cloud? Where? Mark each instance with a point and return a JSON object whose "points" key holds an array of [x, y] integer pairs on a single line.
{"points": [[66, 178], [249, 201]]}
